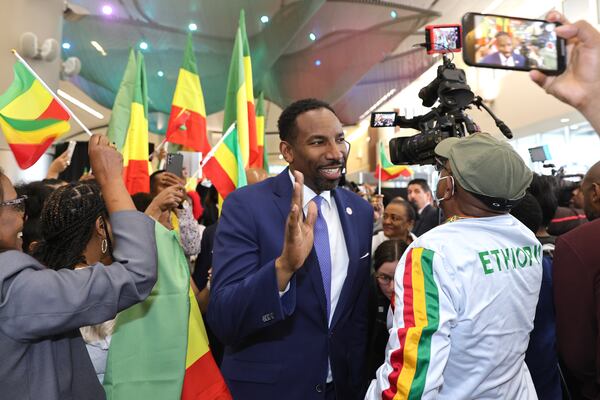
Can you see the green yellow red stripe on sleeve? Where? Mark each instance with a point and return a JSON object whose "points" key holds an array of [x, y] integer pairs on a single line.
{"points": [[410, 361]]}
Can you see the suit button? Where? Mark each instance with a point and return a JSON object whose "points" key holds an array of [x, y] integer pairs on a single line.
{"points": [[319, 388]]}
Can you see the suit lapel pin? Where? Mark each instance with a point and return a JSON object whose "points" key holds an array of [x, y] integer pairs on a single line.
{"points": [[349, 210]]}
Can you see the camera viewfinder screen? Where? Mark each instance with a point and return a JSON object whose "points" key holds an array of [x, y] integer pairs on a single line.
{"points": [[446, 38], [515, 43], [539, 154], [383, 119]]}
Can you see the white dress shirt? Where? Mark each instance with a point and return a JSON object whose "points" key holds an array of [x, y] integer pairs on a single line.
{"points": [[507, 61]]}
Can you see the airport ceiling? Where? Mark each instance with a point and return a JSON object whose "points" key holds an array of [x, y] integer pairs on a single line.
{"points": [[346, 52]]}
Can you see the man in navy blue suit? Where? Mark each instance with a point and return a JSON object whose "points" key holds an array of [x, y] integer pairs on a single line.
{"points": [[505, 55], [290, 271]]}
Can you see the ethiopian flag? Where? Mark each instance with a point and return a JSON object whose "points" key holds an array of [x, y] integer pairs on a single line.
{"points": [[154, 341], [135, 149], [260, 133], [121, 110], [236, 100], [386, 170], [254, 156], [30, 117], [224, 166], [187, 122]]}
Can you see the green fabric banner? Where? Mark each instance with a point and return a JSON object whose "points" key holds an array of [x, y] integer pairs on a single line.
{"points": [[146, 360]]}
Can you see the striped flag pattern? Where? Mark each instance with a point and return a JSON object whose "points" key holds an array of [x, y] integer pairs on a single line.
{"points": [[203, 379], [121, 110], [260, 133], [387, 169], [225, 167], [30, 118], [253, 160], [236, 106], [410, 361], [135, 149], [187, 122]]}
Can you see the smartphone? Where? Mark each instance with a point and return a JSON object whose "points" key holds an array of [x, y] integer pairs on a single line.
{"points": [[443, 38], [498, 41], [383, 119], [175, 164]]}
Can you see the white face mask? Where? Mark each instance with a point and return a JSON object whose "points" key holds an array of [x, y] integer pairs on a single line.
{"points": [[437, 199]]}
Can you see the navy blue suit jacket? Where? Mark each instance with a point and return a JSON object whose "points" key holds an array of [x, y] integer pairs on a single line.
{"points": [[278, 347], [494, 58]]}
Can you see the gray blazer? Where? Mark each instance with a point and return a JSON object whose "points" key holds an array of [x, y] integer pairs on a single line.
{"points": [[41, 351]]}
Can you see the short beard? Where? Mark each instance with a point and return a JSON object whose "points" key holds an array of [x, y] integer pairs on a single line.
{"points": [[323, 185]]}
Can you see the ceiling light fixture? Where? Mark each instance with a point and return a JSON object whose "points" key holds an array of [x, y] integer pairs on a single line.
{"points": [[312, 36], [317, 62], [79, 104], [98, 47], [160, 74], [264, 19], [564, 120], [192, 27], [393, 14], [107, 9], [143, 45], [66, 45]]}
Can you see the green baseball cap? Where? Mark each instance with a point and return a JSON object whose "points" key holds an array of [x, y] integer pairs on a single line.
{"points": [[486, 166]]}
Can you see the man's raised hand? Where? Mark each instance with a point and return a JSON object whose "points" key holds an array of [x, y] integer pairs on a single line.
{"points": [[299, 235]]}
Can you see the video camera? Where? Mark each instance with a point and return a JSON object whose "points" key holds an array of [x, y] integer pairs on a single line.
{"points": [[446, 120]]}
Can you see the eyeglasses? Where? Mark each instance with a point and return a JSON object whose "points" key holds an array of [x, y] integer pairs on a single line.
{"points": [[384, 278], [17, 204]]}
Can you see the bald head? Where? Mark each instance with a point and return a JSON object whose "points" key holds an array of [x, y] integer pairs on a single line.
{"points": [[591, 192]]}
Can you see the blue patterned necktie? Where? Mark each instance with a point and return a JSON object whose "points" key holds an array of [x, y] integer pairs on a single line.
{"points": [[321, 243]]}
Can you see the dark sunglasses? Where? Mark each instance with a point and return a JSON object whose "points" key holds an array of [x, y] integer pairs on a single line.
{"points": [[17, 204]]}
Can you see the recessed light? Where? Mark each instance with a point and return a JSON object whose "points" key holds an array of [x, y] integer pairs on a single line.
{"points": [[564, 120], [192, 27], [393, 14], [66, 45], [312, 36], [264, 19], [160, 74], [98, 47], [317, 62], [143, 45], [107, 9]]}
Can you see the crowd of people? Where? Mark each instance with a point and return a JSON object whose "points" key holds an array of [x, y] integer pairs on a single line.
{"points": [[308, 290]]}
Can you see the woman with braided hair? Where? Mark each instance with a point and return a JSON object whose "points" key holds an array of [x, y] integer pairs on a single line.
{"points": [[76, 234], [41, 309]]}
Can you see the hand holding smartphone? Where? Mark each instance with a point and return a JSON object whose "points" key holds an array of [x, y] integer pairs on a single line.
{"points": [[497, 41]]}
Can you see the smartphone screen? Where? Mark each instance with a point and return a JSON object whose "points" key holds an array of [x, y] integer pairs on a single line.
{"points": [[497, 41], [443, 38], [383, 119]]}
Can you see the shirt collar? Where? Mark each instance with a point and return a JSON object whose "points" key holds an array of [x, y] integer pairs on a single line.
{"points": [[309, 194]]}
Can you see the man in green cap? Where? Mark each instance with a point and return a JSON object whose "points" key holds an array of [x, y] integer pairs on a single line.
{"points": [[466, 291]]}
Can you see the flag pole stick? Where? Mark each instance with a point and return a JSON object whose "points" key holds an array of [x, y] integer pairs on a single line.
{"points": [[212, 151], [380, 167], [58, 100], [157, 149]]}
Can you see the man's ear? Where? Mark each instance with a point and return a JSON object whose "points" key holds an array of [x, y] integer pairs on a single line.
{"points": [[286, 151], [596, 192]]}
